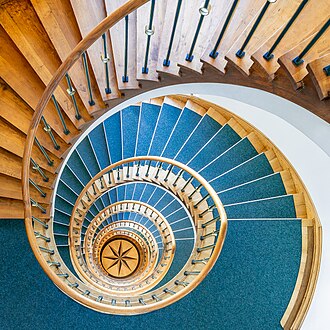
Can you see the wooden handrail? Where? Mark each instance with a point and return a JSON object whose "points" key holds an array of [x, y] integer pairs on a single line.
{"points": [[96, 33], [91, 231], [83, 45], [216, 250]]}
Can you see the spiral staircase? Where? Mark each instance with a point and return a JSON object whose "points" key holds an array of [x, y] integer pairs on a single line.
{"points": [[128, 208]]}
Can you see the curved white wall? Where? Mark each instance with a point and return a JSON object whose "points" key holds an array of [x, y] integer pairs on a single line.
{"points": [[302, 137]]}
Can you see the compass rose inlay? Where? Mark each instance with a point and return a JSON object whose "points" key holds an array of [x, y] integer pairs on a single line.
{"points": [[120, 258]]}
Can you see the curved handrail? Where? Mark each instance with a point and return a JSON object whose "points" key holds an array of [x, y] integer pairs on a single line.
{"points": [[66, 65], [93, 224], [83, 45], [210, 192]]}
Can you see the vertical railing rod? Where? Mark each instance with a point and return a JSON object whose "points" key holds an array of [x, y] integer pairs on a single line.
{"points": [[91, 101], [214, 52], [59, 112], [48, 130], [149, 32], [42, 193], [40, 222], [125, 76], [36, 204], [204, 11], [105, 60], [240, 53], [269, 55], [36, 167], [176, 18], [168, 173], [43, 151], [299, 59], [72, 92]]}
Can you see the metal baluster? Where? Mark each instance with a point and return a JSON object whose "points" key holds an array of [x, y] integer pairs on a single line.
{"points": [[194, 192], [212, 233], [187, 183], [71, 92], [204, 11], [36, 204], [169, 291], [39, 221], [42, 193], [43, 151], [36, 167], [168, 173], [176, 18], [149, 31], [214, 52], [91, 101], [204, 225], [39, 235], [208, 247], [43, 249], [125, 76], [59, 112], [138, 168], [159, 167], [240, 53], [210, 208], [48, 130], [299, 59], [203, 199], [186, 273], [177, 178], [269, 55], [148, 168], [105, 59]]}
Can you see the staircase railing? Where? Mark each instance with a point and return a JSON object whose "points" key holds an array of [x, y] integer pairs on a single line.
{"points": [[40, 233]]}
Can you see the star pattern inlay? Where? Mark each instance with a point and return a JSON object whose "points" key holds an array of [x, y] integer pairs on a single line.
{"points": [[120, 258]]}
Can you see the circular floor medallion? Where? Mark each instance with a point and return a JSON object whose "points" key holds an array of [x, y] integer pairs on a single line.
{"points": [[120, 258]]}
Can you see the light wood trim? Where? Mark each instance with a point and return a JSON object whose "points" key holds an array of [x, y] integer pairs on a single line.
{"points": [[216, 250], [320, 79], [245, 12], [273, 161], [195, 107], [277, 14], [217, 116], [174, 102], [95, 34], [298, 73], [304, 209], [90, 230], [308, 272], [308, 22], [237, 127], [288, 183]]}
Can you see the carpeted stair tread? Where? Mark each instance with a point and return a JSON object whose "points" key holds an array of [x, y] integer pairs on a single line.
{"points": [[252, 169], [99, 143], [239, 153], [165, 124], [278, 207], [186, 123], [270, 186], [148, 119], [112, 127], [130, 122]]}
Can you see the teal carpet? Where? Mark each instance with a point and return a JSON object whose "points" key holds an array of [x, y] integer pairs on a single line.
{"points": [[248, 289]]}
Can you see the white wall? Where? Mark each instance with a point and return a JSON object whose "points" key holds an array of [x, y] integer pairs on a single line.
{"points": [[302, 137]]}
